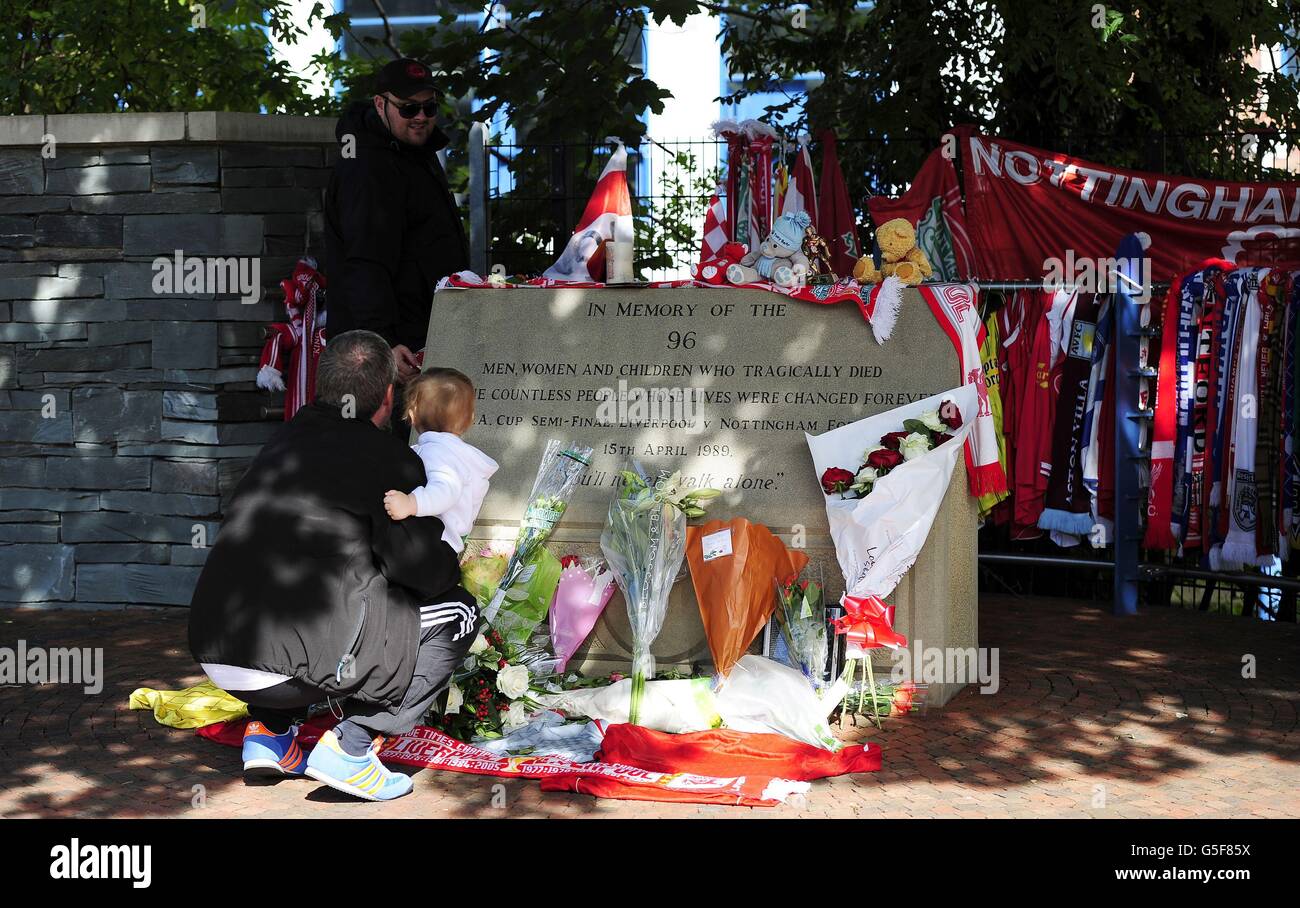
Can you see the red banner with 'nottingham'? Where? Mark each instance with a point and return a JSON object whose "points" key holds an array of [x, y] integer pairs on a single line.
{"points": [[1025, 206]]}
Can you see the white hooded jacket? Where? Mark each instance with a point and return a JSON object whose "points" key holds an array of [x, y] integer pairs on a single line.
{"points": [[456, 480]]}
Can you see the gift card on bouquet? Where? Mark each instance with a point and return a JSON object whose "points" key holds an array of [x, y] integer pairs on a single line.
{"points": [[879, 535]]}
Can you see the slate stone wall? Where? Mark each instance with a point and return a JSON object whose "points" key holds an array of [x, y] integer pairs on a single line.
{"points": [[127, 415]]}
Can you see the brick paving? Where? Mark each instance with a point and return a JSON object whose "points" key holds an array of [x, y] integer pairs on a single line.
{"points": [[1097, 716]]}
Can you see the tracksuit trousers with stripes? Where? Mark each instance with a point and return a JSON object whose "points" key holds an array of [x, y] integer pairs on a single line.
{"points": [[446, 634]]}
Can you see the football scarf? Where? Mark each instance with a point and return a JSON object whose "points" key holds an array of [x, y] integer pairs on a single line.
{"points": [[989, 350], [1095, 439], [1206, 342], [1292, 410], [1068, 506], [1268, 432], [1159, 532], [1034, 427], [1240, 502], [1191, 292], [955, 310]]}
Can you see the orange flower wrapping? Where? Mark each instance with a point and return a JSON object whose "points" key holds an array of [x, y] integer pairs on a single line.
{"points": [[734, 591]]}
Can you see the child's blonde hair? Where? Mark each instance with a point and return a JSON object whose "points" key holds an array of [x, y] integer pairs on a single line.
{"points": [[440, 400]]}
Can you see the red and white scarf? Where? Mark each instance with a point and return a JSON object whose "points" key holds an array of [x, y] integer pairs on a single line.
{"points": [[300, 340], [955, 309]]}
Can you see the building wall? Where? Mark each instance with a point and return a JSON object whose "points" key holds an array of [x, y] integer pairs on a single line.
{"points": [[126, 414]]}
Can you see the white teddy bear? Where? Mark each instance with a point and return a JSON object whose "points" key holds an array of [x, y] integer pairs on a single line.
{"points": [[780, 258]]}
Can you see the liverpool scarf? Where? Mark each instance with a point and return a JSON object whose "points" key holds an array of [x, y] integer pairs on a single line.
{"points": [[1068, 506], [955, 309], [1034, 425], [293, 348]]}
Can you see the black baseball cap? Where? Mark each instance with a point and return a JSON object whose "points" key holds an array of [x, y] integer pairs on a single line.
{"points": [[406, 78]]}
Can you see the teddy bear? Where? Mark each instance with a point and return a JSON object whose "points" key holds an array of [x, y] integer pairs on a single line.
{"points": [[899, 255], [714, 271], [780, 258]]}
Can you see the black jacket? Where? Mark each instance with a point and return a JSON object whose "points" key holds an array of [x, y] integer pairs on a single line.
{"points": [[392, 231], [308, 576]]}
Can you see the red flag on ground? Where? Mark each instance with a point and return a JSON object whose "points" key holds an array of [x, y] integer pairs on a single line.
{"points": [[607, 217], [801, 195], [838, 225]]}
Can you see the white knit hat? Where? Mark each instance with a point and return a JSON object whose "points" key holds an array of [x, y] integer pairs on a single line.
{"points": [[789, 229]]}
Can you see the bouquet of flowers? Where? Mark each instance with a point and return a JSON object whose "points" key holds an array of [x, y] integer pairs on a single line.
{"points": [[881, 514], [885, 699], [585, 588], [490, 694], [528, 582], [921, 434], [801, 615], [644, 543]]}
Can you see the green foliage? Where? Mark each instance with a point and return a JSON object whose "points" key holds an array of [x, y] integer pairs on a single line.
{"points": [[1112, 82], [73, 56]]}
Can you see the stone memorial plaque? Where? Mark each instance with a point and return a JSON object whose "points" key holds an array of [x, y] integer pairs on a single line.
{"points": [[720, 384]]}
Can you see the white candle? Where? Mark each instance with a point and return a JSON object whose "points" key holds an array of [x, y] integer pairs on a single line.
{"points": [[618, 262]]}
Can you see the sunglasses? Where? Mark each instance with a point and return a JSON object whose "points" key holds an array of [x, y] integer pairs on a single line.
{"points": [[409, 109]]}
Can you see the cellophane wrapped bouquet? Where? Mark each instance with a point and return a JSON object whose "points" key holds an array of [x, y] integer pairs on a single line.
{"points": [[521, 599], [644, 543]]}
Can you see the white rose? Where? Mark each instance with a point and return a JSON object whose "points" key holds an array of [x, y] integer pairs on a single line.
{"points": [[513, 681], [932, 421], [866, 474], [480, 643], [913, 446], [514, 717], [455, 699]]}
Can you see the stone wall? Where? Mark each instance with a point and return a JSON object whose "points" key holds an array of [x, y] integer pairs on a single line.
{"points": [[127, 415]]}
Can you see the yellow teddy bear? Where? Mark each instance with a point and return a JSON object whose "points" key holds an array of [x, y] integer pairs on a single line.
{"points": [[899, 255]]}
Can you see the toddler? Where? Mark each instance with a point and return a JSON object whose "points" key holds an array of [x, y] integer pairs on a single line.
{"points": [[439, 403]]}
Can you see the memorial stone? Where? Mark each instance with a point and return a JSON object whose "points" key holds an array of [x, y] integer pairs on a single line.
{"points": [[722, 385]]}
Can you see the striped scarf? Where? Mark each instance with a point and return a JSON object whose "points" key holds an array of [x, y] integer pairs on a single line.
{"points": [[1240, 501], [1096, 438]]}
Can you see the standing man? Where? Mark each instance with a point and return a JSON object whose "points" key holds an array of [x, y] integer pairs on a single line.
{"points": [[392, 229]]}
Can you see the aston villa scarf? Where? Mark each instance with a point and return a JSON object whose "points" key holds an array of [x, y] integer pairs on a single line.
{"points": [[955, 309], [1068, 506], [1268, 432]]}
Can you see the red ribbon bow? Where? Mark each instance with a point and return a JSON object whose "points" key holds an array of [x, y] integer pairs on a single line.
{"points": [[868, 623]]}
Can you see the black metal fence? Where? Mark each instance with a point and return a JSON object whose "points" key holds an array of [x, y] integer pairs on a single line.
{"points": [[536, 192]]}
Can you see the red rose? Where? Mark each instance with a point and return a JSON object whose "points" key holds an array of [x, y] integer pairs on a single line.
{"points": [[950, 414], [836, 480], [892, 439], [569, 561], [941, 437], [884, 459]]}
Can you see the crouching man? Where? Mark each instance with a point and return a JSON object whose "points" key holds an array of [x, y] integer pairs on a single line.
{"points": [[311, 594]]}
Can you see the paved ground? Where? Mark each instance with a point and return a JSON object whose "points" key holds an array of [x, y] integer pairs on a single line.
{"points": [[1096, 716]]}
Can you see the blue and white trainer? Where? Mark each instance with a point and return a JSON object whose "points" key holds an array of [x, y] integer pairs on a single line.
{"points": [[269, 754], [363, 777]]}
